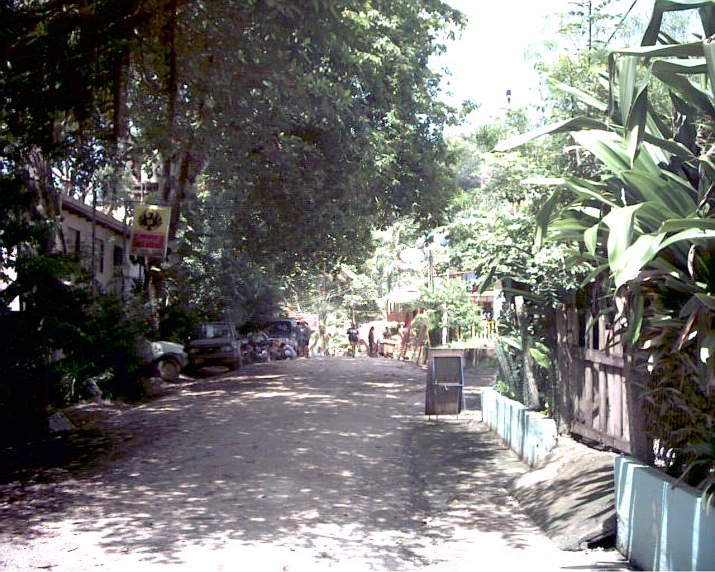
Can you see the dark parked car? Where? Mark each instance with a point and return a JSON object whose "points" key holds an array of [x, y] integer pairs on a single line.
{"points": [[286, 331], [215, 343]]}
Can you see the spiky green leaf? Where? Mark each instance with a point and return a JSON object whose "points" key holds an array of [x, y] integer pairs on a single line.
{"points": [[687, 91], [582, 96], [597, 271], [620, 224], [544, 216], [541, 358], [688, 235], [688, 67], [651, 188], [630, 263], [593, 190], [709, 51], [610, 148], [565, 126], [672, 147], [650, 37], [707, 300], [677, 225], [635, 323], [590, 238], [626, 68], [635, 126]]}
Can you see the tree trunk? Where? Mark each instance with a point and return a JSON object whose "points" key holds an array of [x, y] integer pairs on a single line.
{"points": [[118, 124], [532, 391], [152, 285], [45, 210], [46, 206]]}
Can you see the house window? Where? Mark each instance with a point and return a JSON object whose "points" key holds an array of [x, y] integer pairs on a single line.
{"points": [[118, 256], [72, 241], [99, 255]]}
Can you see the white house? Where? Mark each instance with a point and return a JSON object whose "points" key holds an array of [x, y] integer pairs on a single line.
{"points": [[113, 271]]}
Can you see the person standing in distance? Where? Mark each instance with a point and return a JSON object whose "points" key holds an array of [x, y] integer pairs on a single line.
{"points": [[371, 341], [353, 338], [305, 332]]}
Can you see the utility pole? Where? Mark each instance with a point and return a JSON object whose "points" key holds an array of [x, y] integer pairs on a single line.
{"points": [[431, 272]]}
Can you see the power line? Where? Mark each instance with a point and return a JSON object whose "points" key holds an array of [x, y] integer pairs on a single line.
{"points": [[621, 22]]}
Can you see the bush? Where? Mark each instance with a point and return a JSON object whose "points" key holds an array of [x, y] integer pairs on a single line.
{"points": [[106, 344], [502, 388]]}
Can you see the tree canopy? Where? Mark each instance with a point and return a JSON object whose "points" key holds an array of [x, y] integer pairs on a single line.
{"points": [[304, 125]]}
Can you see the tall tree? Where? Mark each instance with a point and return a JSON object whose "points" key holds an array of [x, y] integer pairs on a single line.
{"points": [[311, 122]]}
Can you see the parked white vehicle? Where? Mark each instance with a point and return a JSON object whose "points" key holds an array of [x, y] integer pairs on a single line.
{"points": [[169, 358], [165, 359]]}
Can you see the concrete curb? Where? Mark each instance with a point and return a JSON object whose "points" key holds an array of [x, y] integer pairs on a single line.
{"points": [[529, 434], [569, 493]]}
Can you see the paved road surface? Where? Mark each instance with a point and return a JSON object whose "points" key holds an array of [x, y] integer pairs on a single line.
{"points": [[317, 464]]}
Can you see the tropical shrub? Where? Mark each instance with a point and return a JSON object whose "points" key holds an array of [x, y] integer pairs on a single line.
{"points": [[645, 222], [450, 306]]}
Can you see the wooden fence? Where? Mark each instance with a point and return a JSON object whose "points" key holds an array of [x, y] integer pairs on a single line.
{"points": [[593, 369]]}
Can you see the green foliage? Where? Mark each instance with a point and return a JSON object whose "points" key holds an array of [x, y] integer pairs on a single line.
{"points": [[510, 358], [492, 226], [62, 338], [491, 233], [341, 108], [345, 135], [177, 322], [498, 214], [502, 388], [106, 342], [643, 218], [101, 345], [283, 133], [697, 465], [361, 299], [386, 270], [52, 314], [505, 350], [449, 305]]}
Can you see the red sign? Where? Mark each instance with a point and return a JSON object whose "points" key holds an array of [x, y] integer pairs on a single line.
{"points": [[150, 232]]}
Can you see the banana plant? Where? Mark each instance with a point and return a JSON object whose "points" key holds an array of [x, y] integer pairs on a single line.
{"points": [[647, 225]]}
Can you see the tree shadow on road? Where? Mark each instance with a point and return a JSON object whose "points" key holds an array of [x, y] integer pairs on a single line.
{"points": [[344, 468]]}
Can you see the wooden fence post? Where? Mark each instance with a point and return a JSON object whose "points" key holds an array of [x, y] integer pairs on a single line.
{"points": [[564, 370]]}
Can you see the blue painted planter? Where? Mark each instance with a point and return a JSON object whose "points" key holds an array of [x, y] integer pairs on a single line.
{"points": [[661, 527], [529, 434]]}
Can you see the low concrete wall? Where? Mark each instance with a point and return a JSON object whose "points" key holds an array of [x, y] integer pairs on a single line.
{"points": [[660, 527], [531, 435]]}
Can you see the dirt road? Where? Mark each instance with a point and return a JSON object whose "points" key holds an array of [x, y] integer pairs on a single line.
{"points": [[312, 464]]}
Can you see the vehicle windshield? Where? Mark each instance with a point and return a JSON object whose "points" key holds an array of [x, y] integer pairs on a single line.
{"points": [[279, 329], [211, 331]]}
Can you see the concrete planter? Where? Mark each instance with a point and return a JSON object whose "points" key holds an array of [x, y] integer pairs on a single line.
{"points": [[529, 434], [661, 527]]}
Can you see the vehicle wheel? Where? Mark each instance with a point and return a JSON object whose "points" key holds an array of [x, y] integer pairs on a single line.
{"points": [[168, 369]]}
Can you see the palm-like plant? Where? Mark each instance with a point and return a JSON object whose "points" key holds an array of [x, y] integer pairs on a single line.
{"points": [[647, 223]]}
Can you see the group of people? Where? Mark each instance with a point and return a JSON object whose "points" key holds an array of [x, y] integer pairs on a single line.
{"points": [[303, 334], [375, 347]]}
